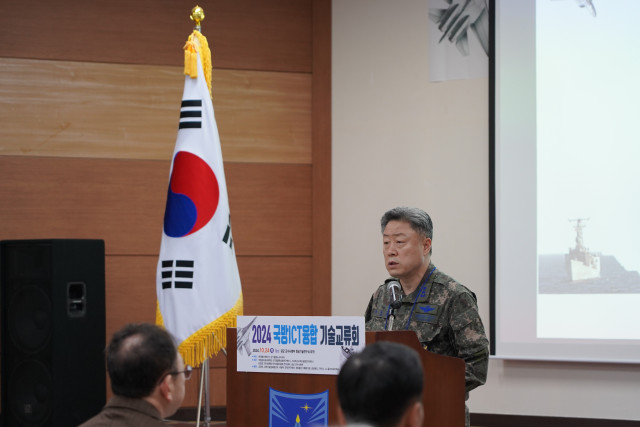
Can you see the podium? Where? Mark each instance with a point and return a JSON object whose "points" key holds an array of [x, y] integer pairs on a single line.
{"points": [[248, 392]]}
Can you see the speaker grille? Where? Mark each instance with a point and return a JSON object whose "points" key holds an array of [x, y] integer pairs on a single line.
{"points": [[31, 397], [29, 319], [52, 327]]}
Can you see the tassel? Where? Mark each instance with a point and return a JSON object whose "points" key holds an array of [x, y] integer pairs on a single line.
{"points": [[159, 319], [191, 349], [197, 43], [190, 59]]}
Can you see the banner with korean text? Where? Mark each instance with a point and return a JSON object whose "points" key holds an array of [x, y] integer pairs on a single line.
{"points": [[298, 344]]}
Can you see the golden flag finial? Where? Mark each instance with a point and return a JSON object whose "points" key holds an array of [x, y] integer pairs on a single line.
{"points": [[197, 43], [197, 15]]}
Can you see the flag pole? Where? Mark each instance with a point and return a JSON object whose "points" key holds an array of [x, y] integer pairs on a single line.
{"points": [[197, 176], [202, 374], [205, 380], [207, 400], [197, 15], [204, 384]]}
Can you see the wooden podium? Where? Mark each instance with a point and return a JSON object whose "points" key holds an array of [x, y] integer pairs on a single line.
{"points": [[248, 392]]}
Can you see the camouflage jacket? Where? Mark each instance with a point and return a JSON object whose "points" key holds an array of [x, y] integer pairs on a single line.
{"points": [[445, 318]]}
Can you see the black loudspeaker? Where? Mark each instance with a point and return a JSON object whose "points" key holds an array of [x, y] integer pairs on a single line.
{"points": [[53, 331]]}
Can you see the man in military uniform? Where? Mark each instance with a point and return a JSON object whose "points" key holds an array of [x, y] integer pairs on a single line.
{"points": [[442, 312]]}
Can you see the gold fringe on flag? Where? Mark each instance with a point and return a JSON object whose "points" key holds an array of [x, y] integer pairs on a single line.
{"points": [[197, 43], [159, 319], [209, 340]]}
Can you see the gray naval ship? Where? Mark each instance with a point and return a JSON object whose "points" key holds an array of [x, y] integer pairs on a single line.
{"points": [[581, 263], [582, 271]]}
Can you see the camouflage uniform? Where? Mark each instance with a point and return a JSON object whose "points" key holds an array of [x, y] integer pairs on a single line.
{"points": [[446, 320]]}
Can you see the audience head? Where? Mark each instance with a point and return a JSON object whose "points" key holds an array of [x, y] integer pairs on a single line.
{"points": [[382, 386], [143, 362]]}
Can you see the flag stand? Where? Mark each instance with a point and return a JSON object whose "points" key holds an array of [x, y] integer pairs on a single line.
{"points": [[204, 383]]}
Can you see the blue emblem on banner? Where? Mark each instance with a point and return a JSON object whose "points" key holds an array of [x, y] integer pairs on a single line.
{"points": [[298, 410]]}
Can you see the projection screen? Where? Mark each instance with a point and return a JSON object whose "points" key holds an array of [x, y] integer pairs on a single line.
{"points": [[565, 154]]}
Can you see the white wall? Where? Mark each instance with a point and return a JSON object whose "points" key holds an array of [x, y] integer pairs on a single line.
{"points": [[400, 140]]}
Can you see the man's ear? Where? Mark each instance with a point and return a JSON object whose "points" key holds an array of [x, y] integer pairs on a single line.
{"points": [[414, 416], [426, 245], [166, 388], [341, 420]]}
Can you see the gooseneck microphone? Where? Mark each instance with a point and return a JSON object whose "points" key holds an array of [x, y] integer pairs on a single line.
{"points": [[395, 294]]}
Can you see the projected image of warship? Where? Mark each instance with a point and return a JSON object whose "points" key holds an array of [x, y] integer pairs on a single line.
{"points": [[581, 263], [581, 271]]}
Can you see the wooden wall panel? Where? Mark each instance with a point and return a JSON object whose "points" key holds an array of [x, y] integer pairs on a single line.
{"points": [[249, 34], [118, 201], [263, 117], [130, 295], [217, 388], [75, 109], [122, 201], [276, 286], [270, 208], [271, 286], [321, 152], [89, 100]]}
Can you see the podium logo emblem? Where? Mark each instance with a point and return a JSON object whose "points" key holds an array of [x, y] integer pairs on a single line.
{"points": [[298, 410]]}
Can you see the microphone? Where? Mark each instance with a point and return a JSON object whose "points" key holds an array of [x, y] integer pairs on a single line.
{"points": [[394, 293]]}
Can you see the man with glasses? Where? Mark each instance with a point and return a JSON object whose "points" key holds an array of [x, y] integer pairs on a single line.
{"points": [[147, 378]]}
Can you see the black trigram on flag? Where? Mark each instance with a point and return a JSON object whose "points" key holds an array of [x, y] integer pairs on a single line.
{"points": [[190, 114], [177, 274], [227, 239]]}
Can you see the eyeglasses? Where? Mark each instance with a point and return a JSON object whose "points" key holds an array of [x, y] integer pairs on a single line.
{"points": [[187, 373]]}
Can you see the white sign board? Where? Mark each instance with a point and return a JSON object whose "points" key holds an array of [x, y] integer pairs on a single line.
{"points": [[298, 344]]}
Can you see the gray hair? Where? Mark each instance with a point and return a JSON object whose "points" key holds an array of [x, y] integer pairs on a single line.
{"points": [[419, 220]]}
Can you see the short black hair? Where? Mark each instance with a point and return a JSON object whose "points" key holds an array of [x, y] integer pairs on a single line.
{"points": [[137, 358], [377, 385]]}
